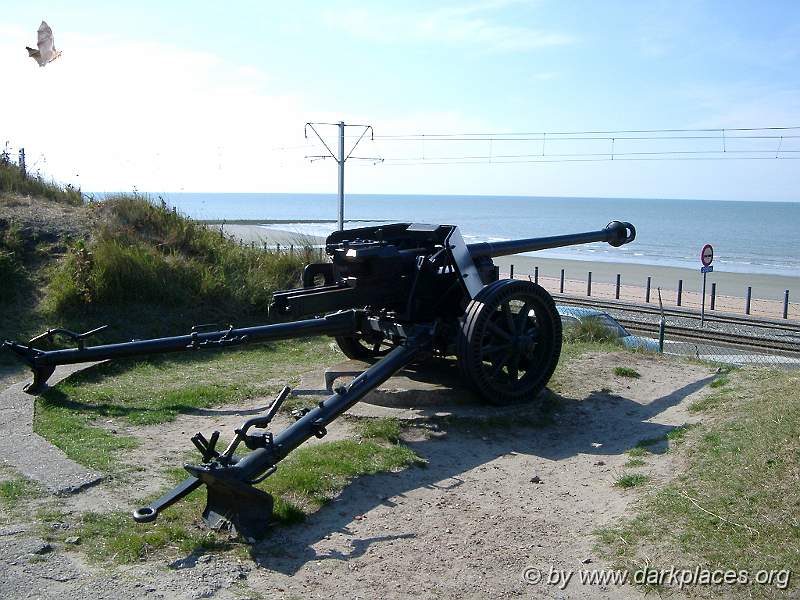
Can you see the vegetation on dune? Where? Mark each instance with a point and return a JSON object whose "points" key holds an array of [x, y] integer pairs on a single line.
{"points": [[145, 252], [129, 262], [11, 267], [12, 181], [590, 330], [735, 505]]}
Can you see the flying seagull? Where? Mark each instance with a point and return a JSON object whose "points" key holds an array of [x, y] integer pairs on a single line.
{"points": [[47, 51]]}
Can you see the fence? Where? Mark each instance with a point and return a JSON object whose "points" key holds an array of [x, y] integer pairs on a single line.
{"points": [[780, 308], [722, 339]]}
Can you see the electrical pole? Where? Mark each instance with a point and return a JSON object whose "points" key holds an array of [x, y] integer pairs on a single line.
{"points": [[340, 220], [340, 158]]}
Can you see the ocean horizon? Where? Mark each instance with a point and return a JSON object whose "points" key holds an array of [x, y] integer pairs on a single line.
{"points": [[748, 237]]}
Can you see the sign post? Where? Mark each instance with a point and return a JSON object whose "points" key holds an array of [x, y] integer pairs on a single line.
{"points": [[706, 257]]}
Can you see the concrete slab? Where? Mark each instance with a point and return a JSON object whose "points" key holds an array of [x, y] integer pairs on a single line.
{"points": [[30, 454], [434, 389]]}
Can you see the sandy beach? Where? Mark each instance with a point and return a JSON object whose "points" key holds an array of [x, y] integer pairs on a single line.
{"points": [[731, 288]]}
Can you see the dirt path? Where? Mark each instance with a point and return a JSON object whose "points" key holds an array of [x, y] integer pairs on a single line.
{"points": [[467, 526]]}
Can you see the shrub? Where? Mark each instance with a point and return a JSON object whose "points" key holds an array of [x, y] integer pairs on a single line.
{"points": [[589, 330], [12, 181], [145, 252]]}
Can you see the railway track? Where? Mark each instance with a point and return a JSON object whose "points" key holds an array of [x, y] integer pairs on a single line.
{"points": [[742, 333], [771, 324], [717, 337]]}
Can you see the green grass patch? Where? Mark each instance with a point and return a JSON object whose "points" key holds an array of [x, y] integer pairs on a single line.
{"points": [[719, 382], [637, 451], [75, 434], [385, 428], [14, 490], [313, 475], [711, 401], [147, 393], [590, 330], [629, 480], [634, 462], [736, 505], [673, 437], [678, 434], [626, 372], [307, 479]]}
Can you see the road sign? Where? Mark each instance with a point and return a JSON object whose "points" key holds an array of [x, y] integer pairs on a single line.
{"points": [[707, 269], [707, 255]]}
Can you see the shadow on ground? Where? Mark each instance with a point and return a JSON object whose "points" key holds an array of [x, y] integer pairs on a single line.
{"points": [[599, 424]]}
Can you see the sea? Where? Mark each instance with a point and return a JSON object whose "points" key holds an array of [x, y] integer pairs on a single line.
{"points": [[748, 237]]}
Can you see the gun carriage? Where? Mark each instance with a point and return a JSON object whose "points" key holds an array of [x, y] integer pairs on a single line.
{"points": [[390, 295]]}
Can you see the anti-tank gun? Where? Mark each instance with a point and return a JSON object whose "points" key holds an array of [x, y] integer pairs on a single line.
{"points": [[390, 295]]}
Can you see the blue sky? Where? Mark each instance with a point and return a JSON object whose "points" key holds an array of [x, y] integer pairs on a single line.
{"points": [[205, 96]]}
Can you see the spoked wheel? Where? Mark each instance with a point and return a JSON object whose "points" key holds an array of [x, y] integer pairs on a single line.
{"points": [[359, 347], [510, 341]]}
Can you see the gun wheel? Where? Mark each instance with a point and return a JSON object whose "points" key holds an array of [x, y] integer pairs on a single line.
{"points": [[509, 342], [358, 347]]}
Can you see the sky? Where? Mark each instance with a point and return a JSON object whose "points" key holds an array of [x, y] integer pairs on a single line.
{"points": [[213, 96]]}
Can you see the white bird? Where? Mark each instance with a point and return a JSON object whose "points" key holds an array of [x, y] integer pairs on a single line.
{"points": [[47, 51]]}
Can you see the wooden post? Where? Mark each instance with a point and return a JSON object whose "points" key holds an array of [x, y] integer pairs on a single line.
{"points": [[680, 290], [291, 249], [618, 282], [22, 168], [535, 274], [511, 276], [747, 300], [647, 293], [713, 295], [786, 304], [562, 281], [589, 285]]}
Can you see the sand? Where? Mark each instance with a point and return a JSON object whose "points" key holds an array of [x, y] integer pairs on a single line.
{"points": [[731, 288]]}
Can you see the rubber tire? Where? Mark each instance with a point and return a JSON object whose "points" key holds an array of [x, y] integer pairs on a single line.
{"points": [[472, 330]]}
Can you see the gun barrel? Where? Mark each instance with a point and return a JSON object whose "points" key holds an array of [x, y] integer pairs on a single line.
{"points": [[615, 233]]}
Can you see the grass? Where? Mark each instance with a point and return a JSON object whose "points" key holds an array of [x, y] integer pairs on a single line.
{"points": [[15, 490], [629, 480], [637, 451], [634, 462], [145, 252], [626, 372], [147, 393], [313, 475], [385, 428], [146, 271], [75, 434], [310, 477], [590, 330], [13, 182], [719, 382], [735, 506]]}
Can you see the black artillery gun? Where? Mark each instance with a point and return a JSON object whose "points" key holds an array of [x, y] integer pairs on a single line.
{"points": [[390, 295]]}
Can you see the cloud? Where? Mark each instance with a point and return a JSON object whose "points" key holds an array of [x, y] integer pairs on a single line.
{"points": [[111, 114], [458, 25]]}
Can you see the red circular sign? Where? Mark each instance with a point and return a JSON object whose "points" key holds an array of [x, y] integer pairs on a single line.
{"points": [[707, 255]]}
